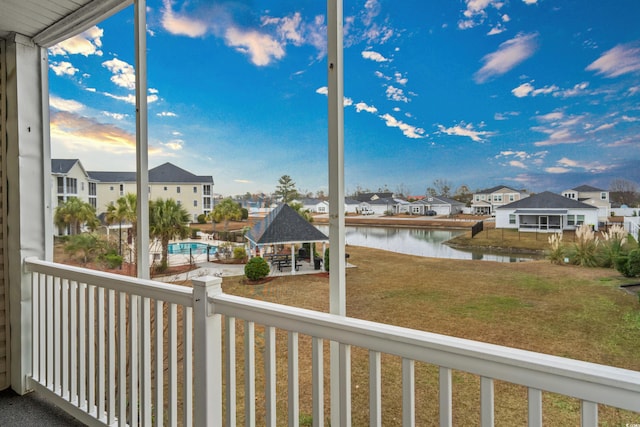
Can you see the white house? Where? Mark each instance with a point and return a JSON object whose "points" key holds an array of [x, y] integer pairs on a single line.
{"points": [[314, 205], [546, 212], [440, 204]]}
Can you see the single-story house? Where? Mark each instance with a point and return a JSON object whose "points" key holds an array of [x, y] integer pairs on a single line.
{"points": [[547, 212], [387, 204], [314, 205], [351, 205], [440, 204]]}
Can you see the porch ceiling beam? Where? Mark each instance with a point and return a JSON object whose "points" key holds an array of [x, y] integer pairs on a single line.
{"points": [[79, 20]]}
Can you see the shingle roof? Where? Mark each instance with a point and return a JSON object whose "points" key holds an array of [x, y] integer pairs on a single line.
{"points": [[284, 225], [586, 189], [437, 200], [547, 200], [166, 172], [62, 165], [494, 189]]}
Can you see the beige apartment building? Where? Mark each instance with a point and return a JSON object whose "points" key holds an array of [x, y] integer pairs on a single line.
{"points": [[102, 188]]}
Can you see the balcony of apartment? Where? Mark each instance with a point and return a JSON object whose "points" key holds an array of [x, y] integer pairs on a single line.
{"points": [[116, 350]]}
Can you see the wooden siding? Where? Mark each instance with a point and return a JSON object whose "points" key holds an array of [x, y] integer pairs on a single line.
{"points": [[4, 298]]}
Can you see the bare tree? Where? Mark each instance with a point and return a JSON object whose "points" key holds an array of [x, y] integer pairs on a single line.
{"points": [[624, 192], [441, 187]]}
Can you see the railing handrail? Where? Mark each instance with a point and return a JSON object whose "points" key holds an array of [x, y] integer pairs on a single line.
{"points": [[170, 293], [583, 380]]}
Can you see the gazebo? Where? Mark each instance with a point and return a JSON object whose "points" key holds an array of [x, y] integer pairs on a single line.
{"points": [[283, 226]]}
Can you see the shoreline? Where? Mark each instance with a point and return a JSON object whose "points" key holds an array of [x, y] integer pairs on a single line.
{"points": [[403, 222]]}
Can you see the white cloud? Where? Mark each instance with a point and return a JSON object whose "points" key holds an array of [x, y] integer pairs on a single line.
{"points": [[124, 74], [131, 99], [604, 126], [527, 89], [63, 68], [509, 55], [400, 79], [505, 116], [576, 90], [408, 130], [166, 114], [175, 144], [549, 117], [86, 43], [529, 2], [498, 29], [374, 56], [361, 106], [68, 105], [557, 170], [323, 90], [622, 59], [475, 13], [467, 131], [181, 25], [566, 163], [517, 164], [116, 116], [396, 94], [261, 48]]}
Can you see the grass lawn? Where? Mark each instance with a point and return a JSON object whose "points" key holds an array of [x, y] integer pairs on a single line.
{"points": [[563, 310]]}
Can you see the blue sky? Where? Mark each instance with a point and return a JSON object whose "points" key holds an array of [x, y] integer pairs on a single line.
{"points": [[534, 94]]}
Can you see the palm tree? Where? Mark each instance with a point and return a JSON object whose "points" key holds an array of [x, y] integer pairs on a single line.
{"points": [[226, 210], [167, 219], [124, 210], [73, 213]]}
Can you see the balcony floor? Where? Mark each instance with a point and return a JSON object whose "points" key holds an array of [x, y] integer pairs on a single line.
{"points": [[31, 410]]}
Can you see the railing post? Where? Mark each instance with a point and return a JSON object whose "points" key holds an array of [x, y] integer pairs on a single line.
{"points": [[207, 345]]}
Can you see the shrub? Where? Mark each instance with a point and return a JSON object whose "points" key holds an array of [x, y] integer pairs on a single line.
{"points": [[202, 219], [112, 260], [326, 260], [257, 268], [634, 262], [584, 251], [622, 265], [239, 252], [556, 253], [245, 214]]}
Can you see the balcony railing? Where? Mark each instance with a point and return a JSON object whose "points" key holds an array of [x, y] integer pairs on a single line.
{"points": [[110, 350]]}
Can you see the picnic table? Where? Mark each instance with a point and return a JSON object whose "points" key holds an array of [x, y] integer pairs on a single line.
{"points": [[283, 260]]}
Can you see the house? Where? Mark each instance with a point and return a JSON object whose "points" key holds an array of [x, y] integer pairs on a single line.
{"points": [[314, 205], [384, 205], [486, 201], [192, 192], [440, 204], [368, 197], [591, 196], [546, 212], [70, 179], [351, 205]]}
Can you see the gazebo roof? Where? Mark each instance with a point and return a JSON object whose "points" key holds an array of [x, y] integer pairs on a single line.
{"points": [[284, 225]]}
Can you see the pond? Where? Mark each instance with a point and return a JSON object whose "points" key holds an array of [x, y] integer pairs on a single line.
{"points": [[415, 241]]}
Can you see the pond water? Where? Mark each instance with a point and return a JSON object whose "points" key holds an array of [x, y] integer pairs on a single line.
{"points": [[414, 241]]}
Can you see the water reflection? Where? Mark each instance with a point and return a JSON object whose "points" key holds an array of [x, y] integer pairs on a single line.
{"points": [[413, 241]]}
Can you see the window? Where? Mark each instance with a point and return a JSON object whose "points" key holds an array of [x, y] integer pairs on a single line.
{"points": [[178, 189], [92, 189], [195, 203], [512, 218], [512, 197], [575, 220], [179, 203], [60, 185], [111, 188], [72, 186], [497, 198], [93, 202], [122, 189], [206, 190], [195, 189], [477, 198], [603, 196], [165, 188]]}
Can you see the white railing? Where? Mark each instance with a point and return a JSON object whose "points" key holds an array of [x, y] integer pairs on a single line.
{"points": [[87, 375]]}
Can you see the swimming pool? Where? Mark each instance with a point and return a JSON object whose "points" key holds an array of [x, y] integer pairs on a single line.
{"points": [[193, 248]]}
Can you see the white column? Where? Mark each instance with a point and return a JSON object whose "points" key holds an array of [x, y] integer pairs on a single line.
{"points": [[337, 281], [142, 155], [27, 163]]}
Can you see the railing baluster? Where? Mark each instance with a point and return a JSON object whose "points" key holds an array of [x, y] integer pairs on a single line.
{"points": [[134, 372], [535, 407], [122, 358], [270, 375], [73, 340], [50, 307], [446, 401], [588, 414], [42, 360], [344, 354], [408, 393], [35, 325], [82, 346], [57, 362], [249, 374], [293, 379], [159, 405], [230, 368], [145, 365], [91, 349], [187, 373], [100, 364], [173, 365], [111, 358], [64, 338], [317, 372], [486, 402], [375, 389]]}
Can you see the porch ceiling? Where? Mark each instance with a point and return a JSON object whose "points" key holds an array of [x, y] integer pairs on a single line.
{"points": [[47, 22]]}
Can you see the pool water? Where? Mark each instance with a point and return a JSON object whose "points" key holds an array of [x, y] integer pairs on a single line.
{"points": [[193, 248]]}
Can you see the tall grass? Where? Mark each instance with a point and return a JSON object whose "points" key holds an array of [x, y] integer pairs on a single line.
{"points": [[556, 253], [584, 251], [612, 247]]}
